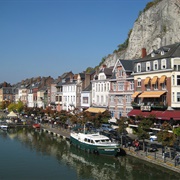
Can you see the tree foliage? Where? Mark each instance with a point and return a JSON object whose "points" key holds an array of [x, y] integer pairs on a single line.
{"points": [[167, 138]]}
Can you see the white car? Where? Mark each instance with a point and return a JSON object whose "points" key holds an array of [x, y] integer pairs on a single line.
{"points": [[152, 136]]}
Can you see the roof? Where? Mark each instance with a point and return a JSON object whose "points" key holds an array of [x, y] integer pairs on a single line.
{"points": [[88, 88], [127, 64], [172, 50], [107, 71]]}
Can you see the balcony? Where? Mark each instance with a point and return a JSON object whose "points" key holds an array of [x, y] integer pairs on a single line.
{"points": [[154, 106]]}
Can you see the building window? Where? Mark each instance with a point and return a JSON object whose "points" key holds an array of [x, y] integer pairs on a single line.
{"points": [[155, 65], [173, 98], [102, 99], [163, 64], [148, 66], [120, 99], [120, 86], [132, 85], [112, 98], [97, 98], [164, 85], [138, 67], [101, 87], [178, 80], [178, 96], [120, 73], [162, 52], [176, 67], [139, 82], [128, 98], [114, 86], [173, 80], [85, 100], [156, 86]]}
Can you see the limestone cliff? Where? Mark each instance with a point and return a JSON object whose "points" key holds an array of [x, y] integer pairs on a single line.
{"points": [[156, 27]]}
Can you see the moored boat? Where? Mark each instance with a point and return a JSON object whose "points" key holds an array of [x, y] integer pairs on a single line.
{"points": [[4, 127], [95, 143], [36, 125]]}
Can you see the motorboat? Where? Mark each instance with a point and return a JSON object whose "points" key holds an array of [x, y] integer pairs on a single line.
{"points": [[95, 143]]}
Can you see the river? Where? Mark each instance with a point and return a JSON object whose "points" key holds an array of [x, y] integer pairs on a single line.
{"points": [[29, 154]]}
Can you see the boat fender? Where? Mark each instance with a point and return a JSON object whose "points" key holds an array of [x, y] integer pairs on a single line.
{"points": [[119, 150]]}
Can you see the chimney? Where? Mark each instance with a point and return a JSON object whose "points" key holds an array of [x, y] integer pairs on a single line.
{"points": [[144, 52]]}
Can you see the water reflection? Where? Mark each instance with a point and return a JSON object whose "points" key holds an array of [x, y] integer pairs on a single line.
{"points": [[87, 166]]}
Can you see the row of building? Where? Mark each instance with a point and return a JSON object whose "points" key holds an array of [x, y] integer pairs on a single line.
{"points": [[142, 87]]}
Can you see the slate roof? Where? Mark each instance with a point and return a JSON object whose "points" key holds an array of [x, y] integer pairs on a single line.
{"points": [[170, 51], [88, 88], [128, 65]]}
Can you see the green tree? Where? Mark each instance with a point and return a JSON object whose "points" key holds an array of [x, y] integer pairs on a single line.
{"points": [[167, 138], [143, 128], [19, 106], [12, 107]]}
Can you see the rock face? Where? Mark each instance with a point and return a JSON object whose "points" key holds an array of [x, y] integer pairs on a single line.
{"points": [[156, 27]]}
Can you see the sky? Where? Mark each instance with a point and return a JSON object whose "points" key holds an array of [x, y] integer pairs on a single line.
{"points": [[50, 37]]}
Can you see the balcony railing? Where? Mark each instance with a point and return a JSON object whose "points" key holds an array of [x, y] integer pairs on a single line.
{"points": [[157, 106]]}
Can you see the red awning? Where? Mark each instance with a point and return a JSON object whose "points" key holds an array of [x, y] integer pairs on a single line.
{"points": [[164, 115], [138, 112]]}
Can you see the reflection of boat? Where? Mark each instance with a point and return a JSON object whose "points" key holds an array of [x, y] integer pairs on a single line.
{"points": [[36, 125], [95, 143]]}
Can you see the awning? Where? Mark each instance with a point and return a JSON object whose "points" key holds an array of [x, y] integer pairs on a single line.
{"points": [[154, 80], [161, 115], [138, 112], [95, 110], [135, 94], [152, 94], [162, 79], [146, 81], [171, 114]]}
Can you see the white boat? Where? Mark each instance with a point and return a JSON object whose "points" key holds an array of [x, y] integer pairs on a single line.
{"points": [[95, 143], [4, 127]]}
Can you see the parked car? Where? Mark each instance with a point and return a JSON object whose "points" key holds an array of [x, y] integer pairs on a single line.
{"points": [[152, 136], [106, 127], [151, 148]]}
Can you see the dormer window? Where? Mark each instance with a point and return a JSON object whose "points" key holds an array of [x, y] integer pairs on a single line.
{"points": [[152, 54], [155, 65], [163, 64], [148, 66], [138, 67]]}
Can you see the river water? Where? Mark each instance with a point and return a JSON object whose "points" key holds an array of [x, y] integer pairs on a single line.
{"points": [[29, 154]]}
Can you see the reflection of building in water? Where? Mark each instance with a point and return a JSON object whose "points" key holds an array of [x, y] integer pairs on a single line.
{"points": [[86, 165]]}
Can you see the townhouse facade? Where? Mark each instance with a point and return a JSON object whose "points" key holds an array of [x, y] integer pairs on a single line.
{"points": [[121, 89], [101, 87], [157, 84]]}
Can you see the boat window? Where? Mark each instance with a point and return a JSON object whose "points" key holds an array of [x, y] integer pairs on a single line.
{"points": [[85, 139], [88, 140], [97, 140], [92, 141], [103, 140]]}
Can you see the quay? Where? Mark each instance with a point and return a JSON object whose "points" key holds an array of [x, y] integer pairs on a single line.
{"points": [[140, 154], [59, 132]]}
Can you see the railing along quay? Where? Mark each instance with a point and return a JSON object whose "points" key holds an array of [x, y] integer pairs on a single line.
{"points": [[155, 157], [57, 131]]}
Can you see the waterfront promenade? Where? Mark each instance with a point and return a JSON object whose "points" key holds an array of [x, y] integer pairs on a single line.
{"points": [[151, 157]]}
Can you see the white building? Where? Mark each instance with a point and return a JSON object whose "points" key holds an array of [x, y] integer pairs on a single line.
{"points": [[69, 95], [101, 87]]}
